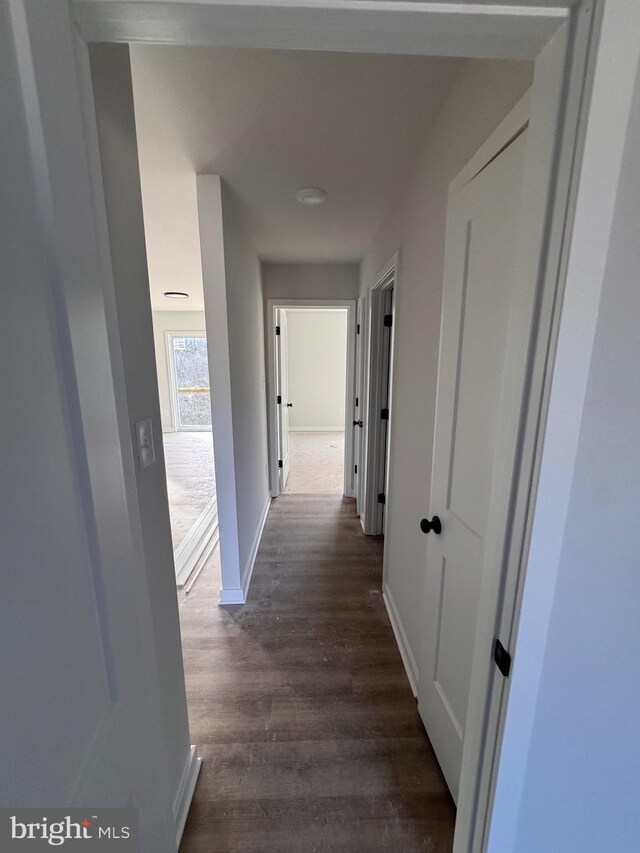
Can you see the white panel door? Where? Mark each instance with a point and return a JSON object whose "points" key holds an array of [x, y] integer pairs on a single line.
{"points": [[478, 283], [282, 367]]}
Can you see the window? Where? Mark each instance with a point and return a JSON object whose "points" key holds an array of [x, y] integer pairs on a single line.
{"points": [[190, 379]]}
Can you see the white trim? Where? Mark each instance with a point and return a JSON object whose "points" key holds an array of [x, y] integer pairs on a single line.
{"points": [[477, 29], [251, 562], [230, 595], [377, 370], [186, 790], [406, 654], [238, 595], [196, 541], [272, 415], [318, 429]]}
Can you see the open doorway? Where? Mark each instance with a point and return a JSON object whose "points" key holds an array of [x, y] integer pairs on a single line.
{"points": [[311, 357], [374, 453], [311, 353], [280, 429], [185, 407]]}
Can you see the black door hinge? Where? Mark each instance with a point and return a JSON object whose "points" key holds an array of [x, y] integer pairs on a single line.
{"points": [[355, 469], [388, 320], [277, 330], [357, 398], [358, 329], [384, 414], [279, 463], [502, 658], [279, 400], [381, 499]]}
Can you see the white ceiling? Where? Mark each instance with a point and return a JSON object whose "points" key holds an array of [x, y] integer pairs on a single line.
{"points": [[270, 122]]}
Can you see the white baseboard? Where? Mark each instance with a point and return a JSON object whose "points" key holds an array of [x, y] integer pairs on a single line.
{"points": [[235, 595], [401, 639], [182, 802], [316, 429], [248, 569], [239, 595]]}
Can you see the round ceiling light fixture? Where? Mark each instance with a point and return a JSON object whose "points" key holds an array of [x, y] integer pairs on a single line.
{"points": [[311, 196], [176, 294]]}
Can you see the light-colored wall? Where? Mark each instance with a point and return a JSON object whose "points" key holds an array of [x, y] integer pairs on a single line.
{"points": [[246, 357], [163, 322], [113, 97], [482, 95], [310, 281], [589, 698], [93, 702], [568, 775], [317, 368]]}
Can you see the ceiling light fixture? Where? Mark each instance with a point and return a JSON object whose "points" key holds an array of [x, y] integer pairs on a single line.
{"points": [[311, 196], [176, 294]]}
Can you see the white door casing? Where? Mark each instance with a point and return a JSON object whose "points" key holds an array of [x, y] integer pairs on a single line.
{"points": [[282, 390], [275, 310], [358, 405], [478, 282], [385, 432], [378, 383]]}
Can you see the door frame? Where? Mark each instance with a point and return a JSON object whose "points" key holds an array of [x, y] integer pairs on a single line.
{"points": [[281, 347], [574, 67], [272, 407], [359, 400], [379, 361], [173, 388]]}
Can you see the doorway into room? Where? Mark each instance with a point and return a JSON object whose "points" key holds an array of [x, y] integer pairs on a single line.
{"points": [[185, 401], [311, 353]]}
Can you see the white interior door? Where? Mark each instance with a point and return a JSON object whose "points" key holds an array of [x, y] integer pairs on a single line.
{"points": [[478, 283], [284, 404]]}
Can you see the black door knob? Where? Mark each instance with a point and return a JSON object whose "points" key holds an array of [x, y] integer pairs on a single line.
{"points": [[427, 526], [357, 423], [289, 405]]}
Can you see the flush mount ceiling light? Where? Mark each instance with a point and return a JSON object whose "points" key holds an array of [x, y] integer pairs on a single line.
{"points": [[311, 196], [176, 294]]}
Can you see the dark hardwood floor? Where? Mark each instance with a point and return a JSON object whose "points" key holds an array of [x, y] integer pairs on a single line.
{"points": [[300, 706]]}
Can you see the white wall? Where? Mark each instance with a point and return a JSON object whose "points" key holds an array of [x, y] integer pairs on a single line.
{"points": [[245, 316], [163, 322], [568, 775], [310, 281], [482, 95], [113, 97], [91, 712], [317, 368]]}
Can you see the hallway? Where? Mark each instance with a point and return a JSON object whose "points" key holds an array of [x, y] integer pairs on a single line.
{"points": [[300, 706]]}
